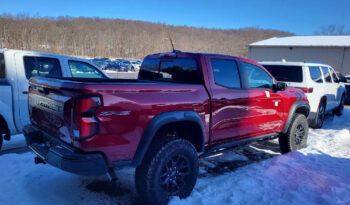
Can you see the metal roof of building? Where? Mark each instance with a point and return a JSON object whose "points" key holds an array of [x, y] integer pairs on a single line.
{"points": [[305, 41]]}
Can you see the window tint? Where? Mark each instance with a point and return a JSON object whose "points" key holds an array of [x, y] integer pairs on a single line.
{"points": [[42, 66], [257, 77], [226, 73], [326, 74], [315, 74], [184, 70], [286, 73], [84, 70], [2, 65]]}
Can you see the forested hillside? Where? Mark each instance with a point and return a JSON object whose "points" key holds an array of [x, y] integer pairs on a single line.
{"points": [[95, 37]]}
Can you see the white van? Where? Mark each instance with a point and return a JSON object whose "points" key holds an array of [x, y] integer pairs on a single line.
{"points": [[319, 82], [16, 67]]}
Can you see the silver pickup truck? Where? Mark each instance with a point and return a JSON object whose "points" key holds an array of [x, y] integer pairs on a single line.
{"points": [[16, 67]]}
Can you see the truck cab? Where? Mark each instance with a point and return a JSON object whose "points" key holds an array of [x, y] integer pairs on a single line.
{"points": [[17, 67]]}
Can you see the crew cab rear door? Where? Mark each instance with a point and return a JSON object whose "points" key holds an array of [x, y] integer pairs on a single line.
{"points": [[229, 101], [29, 65]]}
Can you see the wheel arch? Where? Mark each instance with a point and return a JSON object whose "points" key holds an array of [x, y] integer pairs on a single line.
{"points": [[169, 120], [300, 107]]}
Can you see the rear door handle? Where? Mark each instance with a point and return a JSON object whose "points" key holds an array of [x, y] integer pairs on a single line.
{"points": [[25, 92]]}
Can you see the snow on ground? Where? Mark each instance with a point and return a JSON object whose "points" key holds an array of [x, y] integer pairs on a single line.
{"points": [[254, 174]]}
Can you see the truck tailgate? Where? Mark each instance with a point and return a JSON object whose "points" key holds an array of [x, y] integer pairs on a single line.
{"points": [[51, 110]]}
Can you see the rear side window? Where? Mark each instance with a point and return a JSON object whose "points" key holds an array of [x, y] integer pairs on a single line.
{"points": [[2, 65], [326, 74], [226, 73], [181, 70], [257, 77], [315, 74], [42, 66], [84, 70], [286, 73], [334, 76]]}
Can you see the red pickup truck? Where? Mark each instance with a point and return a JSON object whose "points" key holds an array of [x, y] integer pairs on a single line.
{"points": [[182, 106]]}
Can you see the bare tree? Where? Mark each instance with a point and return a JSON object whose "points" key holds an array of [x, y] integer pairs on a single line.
{"points": [[332, 29]]}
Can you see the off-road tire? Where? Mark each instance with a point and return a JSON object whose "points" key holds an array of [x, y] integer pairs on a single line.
{"points": [[292, 140], [148, 174], [317, 123], [339, 110]]}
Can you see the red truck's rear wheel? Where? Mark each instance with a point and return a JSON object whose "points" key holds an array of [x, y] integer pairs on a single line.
{"points": [[170, 168]]}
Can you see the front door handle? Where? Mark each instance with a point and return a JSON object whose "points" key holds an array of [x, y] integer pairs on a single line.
{"points": [[25, 92]]}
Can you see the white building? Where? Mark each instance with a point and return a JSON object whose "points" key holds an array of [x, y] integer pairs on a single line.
{"points": [[331, 50]]}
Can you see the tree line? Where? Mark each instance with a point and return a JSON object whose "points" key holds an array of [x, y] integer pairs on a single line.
{"points": [[96, 37]]}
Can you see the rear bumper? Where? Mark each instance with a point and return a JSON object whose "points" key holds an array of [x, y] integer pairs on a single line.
{"points": [[63, 156]]}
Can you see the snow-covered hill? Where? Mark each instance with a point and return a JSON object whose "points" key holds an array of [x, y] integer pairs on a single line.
{"points": [[255, 174]]}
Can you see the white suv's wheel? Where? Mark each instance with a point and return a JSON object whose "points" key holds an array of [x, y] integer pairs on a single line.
{"points": [[340, 108], [319, 119]]}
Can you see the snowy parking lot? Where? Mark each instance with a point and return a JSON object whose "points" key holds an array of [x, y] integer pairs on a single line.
{"points": [[254, 174]]}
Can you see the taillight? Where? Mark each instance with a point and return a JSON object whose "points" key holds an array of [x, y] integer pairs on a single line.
{"points": [[86, 123], [306, 90]]}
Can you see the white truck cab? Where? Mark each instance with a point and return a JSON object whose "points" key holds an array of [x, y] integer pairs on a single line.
{"points": [[320, 83], [16, 67]]}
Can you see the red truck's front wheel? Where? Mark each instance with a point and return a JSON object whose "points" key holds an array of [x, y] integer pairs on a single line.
{"points": [[170, 168]]}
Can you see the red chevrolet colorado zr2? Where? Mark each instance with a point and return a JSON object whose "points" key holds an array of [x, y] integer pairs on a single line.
{"points": [[182, 106]]}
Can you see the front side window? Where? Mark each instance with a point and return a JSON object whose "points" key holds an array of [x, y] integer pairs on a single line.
{"points": [[2, 65], [286, 73], [327, 75], [84, 70], [42, 66], [315, 74], [257, 77], [226, 73], [181, 70]]}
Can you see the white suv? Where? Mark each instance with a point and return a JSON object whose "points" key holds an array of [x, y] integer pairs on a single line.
{"points": [[319, 82]]}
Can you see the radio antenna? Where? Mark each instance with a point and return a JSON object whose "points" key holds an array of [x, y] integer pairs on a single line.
{"points": [[171, 42]]}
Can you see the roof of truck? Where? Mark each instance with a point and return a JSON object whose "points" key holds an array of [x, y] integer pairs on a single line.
{"points": [[2, 50], [191, 54]]}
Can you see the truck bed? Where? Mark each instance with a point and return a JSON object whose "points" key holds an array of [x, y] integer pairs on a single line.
{"points": [[127, 107]]}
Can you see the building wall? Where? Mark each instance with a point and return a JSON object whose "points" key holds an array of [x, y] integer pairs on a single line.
{"points": [[332, 56]]}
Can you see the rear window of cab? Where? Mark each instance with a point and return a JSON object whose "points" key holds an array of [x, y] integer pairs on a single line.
{"points": [[286, 73], [179, 70]]}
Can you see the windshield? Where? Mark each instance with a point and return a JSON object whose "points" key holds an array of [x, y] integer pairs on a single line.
{"points": [[286, 73]]}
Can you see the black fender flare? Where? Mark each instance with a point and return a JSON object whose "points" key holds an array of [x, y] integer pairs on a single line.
{"points": [[292, 110], [159, 121]]}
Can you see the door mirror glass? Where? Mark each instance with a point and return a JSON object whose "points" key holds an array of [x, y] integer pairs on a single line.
{"points": [[280, 86]]}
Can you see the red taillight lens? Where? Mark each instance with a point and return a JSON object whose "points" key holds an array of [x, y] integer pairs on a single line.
{"points": [[307, 90], [86, 124]]}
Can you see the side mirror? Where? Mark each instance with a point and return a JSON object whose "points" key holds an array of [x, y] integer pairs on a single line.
{"points": [[280, 86]]}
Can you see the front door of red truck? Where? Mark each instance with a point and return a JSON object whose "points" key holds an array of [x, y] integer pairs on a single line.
{"points": [[267, 105]]}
